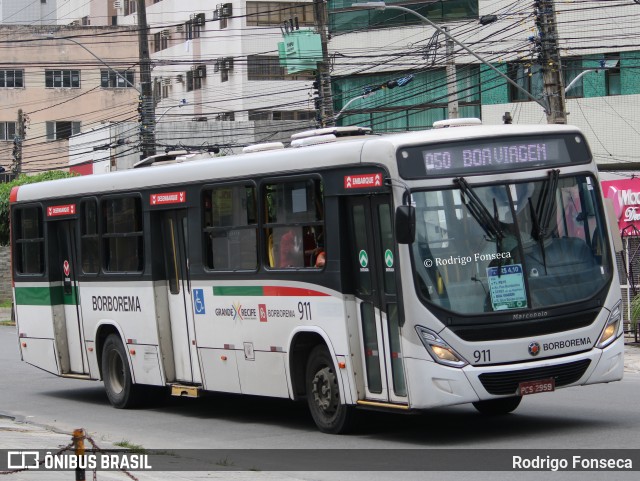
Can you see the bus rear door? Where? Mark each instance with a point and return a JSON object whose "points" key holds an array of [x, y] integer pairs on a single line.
{"points": [[176, 256], [374, 272]]}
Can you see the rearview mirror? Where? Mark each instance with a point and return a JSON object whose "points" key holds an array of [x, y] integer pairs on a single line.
{"points": [[405, 224]]}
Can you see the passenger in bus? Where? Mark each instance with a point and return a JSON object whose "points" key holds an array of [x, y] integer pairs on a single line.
{"points": [[290, 250]]}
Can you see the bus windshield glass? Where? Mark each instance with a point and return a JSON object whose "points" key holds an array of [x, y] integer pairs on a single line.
{"points": [[510, 246]]}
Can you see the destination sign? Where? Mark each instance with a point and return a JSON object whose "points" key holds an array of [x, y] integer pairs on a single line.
{"points": [[492, 155]]}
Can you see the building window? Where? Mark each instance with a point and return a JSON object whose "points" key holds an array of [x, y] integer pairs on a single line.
{"points": [[29, 241], [122, 235], [160, 40], [61, 130], [111, 79], [130, 6], [612, 75], [195, 76], [438, 11], [282, 114], [231, 228], [267, 67], [276, 13], [7, 131], [294, 227], [11, 78], [62, 78], [528, 77]]}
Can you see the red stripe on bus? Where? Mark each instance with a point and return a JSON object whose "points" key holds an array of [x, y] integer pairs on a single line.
{"points": [[290, 291], [13, 196]]}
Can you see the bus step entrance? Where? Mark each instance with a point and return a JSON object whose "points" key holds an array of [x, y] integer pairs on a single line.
{"points": [[185, 391]]}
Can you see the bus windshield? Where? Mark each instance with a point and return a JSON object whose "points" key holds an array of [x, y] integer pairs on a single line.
{"points": [[528, 245]]}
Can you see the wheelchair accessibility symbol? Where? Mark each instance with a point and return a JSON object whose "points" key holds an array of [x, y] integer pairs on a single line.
{"points": [[198, 301]]}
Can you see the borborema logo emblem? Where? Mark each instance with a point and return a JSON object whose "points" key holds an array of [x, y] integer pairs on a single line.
{"points": [[534, 348]]}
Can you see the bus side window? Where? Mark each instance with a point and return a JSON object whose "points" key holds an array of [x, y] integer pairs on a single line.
{"points": [[230, 227], [294, 223], [29, 238]]}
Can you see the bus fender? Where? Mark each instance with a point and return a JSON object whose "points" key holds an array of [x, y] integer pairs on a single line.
{"points": [[346, 384], [103, 328]]}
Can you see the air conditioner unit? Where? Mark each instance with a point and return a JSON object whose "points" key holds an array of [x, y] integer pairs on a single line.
{"points": [[216, 15], [201, 71], [117, 4], [217, 65], [166, 81], [199, 19], [180, 28], [228, 63], [180, 78], [226, 10], [166, 33], [75, 23]]}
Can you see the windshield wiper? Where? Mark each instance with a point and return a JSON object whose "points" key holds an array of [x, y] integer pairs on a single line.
{"points": [[490, 224], [543, 212], [546, 204]]}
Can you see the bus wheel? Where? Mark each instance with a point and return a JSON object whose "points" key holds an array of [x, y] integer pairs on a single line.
{"points": [[497, 407], [121, 391], [323, 394]]}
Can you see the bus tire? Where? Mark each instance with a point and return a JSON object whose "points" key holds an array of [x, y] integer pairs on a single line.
{"points": [[121, 391], [498, 407], [323, 394]]}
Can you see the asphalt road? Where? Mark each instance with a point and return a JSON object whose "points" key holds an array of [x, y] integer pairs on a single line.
{"points": [[592, 417]]}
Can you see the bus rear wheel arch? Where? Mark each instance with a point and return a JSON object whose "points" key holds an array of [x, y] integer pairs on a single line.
{"points": [[116, 375]]}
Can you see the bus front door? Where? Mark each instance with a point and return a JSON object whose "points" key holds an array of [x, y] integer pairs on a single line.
{"points": [[374, 272], [175, 235], [66, 270]]}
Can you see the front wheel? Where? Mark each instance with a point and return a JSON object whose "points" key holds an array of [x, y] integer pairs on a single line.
{"points": [[497, 407], [121, 391], [323, 394]]}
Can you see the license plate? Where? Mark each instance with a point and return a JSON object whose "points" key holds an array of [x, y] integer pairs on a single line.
{"points": [[535, 387]]}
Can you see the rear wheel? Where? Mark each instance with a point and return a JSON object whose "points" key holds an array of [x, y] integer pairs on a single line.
{"points": [[121, 391], [323, 394], [497, 407]]}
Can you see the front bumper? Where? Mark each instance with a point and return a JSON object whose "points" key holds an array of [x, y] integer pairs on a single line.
{"points": [[432, 385]]}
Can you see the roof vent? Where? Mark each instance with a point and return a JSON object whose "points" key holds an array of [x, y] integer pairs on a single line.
{"points": [[335, 131], [262, 147], [315, 140], [443, 124]]}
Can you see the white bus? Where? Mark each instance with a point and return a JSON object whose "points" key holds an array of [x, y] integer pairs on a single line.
{"points": [[461, 265]]}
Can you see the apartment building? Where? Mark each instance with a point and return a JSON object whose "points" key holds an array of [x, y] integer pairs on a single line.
{"points": [[59, 81]]}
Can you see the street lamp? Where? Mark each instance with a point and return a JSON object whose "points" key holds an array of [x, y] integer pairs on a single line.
{"points": [[50, 36], [182, 103], [383, 6]]}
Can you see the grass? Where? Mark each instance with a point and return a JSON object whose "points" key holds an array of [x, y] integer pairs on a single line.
{"points": [[6, 303], [135, 448]]}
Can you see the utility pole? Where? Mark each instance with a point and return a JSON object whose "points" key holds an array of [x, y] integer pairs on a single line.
{"points": [[452, 79], [324, 76], [147, 121], [549, 58], [17, 144]]}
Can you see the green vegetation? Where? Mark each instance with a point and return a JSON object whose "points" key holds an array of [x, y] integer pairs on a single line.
{"points": [[5, 191], [6, 303], [635, 312], [135, 448]]}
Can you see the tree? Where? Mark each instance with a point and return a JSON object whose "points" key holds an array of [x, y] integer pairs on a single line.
{"points": [[5, 191]]}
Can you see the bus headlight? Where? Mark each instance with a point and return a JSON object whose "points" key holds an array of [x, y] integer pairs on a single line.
{"points": [[610, 330], [440, 351]]}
